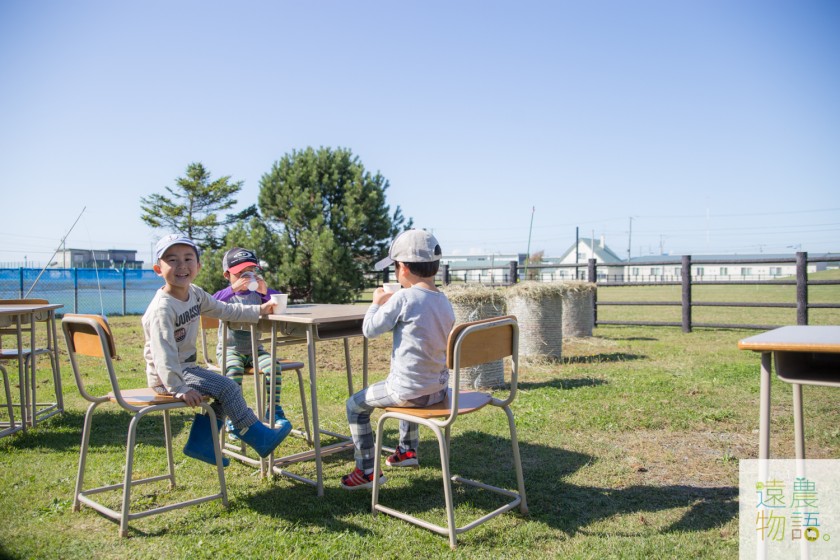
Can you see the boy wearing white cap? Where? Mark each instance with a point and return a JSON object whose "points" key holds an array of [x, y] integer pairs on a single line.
{"points": [[170, 327], [420, 317]]}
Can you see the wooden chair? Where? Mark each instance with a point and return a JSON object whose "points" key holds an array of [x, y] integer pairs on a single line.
{"points": [[90, 335], [38, 411], [469, 344], [239, 451], [209, 324]]}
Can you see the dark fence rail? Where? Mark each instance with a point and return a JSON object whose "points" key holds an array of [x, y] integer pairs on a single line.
{"points": [[687, 279]]}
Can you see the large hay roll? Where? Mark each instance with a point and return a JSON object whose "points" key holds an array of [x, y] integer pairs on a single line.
{"points": [[472, 302], [538, 308], [578, 308]]}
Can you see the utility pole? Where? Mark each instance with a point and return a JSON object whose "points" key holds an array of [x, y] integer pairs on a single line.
{"points": [[528, 254], [630, 239]]}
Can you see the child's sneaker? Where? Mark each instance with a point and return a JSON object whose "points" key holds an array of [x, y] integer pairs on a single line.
{"points": [[403, 459], [229, 429], [358, 480]]}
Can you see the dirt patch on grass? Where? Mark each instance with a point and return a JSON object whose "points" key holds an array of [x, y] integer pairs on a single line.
{"points": [[664, 458]]}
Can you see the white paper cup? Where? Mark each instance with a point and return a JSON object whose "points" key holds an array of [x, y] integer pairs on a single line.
{"points": [[279, 301], [391, 287]]}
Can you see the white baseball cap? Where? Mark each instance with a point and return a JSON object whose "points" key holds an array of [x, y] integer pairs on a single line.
{"points": [[413, 245]]}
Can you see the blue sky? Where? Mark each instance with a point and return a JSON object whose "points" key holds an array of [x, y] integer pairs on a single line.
{"points": [[714, 125]]}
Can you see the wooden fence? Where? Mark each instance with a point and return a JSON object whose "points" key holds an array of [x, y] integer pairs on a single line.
{"points": [[687, 281]]}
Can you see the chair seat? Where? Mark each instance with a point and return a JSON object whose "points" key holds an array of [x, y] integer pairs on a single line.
{"points": [[12, 353], [467, 402], [145, 396]]}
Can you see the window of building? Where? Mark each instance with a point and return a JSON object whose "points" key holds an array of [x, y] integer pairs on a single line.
{"points": [[635, 271], [775, 271], [724, 271], [746, 271], [700, 271]]}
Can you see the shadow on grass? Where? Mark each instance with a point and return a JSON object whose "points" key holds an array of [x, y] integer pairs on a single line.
{"points": [[110, 428], [629, 338], [566, 384], [603, 358], [567, 507]]}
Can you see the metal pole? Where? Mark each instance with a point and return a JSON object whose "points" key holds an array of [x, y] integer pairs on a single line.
{"points": [[528, 252]]}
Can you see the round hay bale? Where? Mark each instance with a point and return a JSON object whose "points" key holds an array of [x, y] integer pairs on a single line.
{"points": [[538, 308], [473, 302], [578, 309]]}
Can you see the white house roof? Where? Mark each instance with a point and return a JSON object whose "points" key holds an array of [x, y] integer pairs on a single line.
{"points": [[602, 254]]}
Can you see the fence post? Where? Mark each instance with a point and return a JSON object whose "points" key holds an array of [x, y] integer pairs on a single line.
{"points": [[124, 292], [686, 293], [514, 276], [593, 277], [802, 288], [385, 273], [20, 292], [590, 270], [446, 279]]}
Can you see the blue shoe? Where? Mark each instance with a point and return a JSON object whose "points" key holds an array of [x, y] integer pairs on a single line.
{"points": [[200, 441], [262, 438], [229, 429]]}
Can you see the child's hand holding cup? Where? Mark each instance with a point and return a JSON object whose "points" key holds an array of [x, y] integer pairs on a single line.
{"points": [[279, 301]]}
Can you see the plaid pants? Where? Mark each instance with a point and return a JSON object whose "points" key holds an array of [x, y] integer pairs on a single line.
{"points": [[359, 408], [226, 394]]}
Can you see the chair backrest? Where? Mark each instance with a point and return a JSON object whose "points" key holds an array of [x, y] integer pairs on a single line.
{"points": [[207, 324], [487, 340], [90, 335], [479, 342]]}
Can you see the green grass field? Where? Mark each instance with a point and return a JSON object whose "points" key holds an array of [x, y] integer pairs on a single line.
{"points": [[630, 446]]}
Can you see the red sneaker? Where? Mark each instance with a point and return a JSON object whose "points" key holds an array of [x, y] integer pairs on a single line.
{"points": [[403, 459], [357, 480]]}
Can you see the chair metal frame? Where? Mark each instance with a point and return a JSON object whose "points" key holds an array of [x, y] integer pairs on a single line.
{"points": [[90, 335], [10, 426], [469, 344], [239, 451], [36, 412]]}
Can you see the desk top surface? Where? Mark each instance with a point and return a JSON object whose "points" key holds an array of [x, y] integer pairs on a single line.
{"points": [[320, 313], [24, 308], [811, 338]]}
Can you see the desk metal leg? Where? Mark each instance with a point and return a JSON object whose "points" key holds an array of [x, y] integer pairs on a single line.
{"points": [[23, 381], [316, 424], [764, 407], [364, 362], [32, 367], [798, 421], [347, 363]]}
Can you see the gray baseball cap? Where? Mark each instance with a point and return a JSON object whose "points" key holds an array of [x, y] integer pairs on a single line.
{"points": [[413, 245], [173, 239]]}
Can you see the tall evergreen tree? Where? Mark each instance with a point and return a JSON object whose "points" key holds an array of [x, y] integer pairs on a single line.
{"points": [[334, 221], [193, 205]]}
